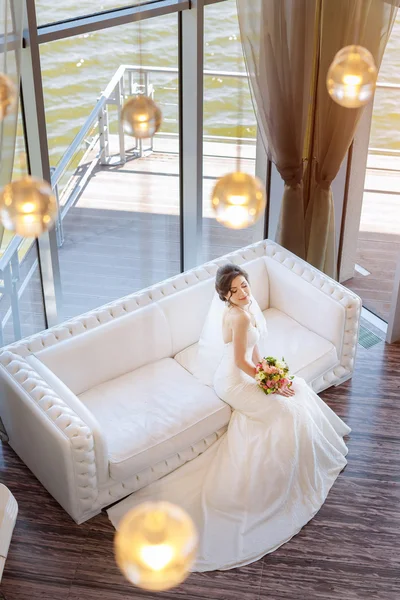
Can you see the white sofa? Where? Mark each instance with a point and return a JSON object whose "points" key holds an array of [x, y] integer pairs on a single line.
{"points": [[8, 516], [102, 405]]}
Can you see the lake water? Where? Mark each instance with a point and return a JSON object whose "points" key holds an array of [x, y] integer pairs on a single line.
{"points": [[75, 71]]}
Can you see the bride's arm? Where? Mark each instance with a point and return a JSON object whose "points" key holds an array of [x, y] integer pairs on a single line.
{"points": [[240, 328]]}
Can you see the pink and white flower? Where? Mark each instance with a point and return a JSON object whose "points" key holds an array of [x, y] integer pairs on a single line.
{"points": [[272, 375]]}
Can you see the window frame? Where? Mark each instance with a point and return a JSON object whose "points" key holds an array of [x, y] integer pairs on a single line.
{"points": [[191, 66]]}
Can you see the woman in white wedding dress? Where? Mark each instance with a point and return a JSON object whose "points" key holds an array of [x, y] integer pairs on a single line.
{"points": [[262, 481]]}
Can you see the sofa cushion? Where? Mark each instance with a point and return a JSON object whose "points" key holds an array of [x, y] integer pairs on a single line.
{"points": [[106, 352], [152, 413], [307, 354], [186, 312], [187, 358]]}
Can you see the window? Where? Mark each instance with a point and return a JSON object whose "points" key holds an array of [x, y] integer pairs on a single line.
{"points": [[119, 199], [378, 243], [229, 121], [48, 11], [21, 300]]}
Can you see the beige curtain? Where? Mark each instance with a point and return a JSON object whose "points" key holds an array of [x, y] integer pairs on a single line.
{"points": [[288, 47], [278, 45], [334, 125]]}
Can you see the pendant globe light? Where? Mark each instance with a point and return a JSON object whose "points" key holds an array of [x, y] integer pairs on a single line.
{"points": [[141, 116], [352, 76], [155, 545], [8, 90], [238, 199], [8, 95], [28, 206]]}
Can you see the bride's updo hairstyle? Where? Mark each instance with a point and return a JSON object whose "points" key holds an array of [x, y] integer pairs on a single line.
{"points": [[224, 277]]}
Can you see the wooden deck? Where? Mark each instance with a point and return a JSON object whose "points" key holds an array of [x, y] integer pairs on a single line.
{"points": [[123, 233], [150, 186], [378, 247]]}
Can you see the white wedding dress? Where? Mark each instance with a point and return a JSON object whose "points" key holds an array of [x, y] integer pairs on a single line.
{"points": [[262, 481]]}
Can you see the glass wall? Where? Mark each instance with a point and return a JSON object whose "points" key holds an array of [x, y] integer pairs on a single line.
{"points": [[119, 227], [21, 298], [378, 247], [119, 198], [229, 121]]}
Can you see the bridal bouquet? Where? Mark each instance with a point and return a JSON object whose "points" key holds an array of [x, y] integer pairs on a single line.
{"points": [[273, 375]]}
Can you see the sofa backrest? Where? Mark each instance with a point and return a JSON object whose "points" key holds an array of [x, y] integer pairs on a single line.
{"points": [[157, 331], [185, 312], [111, 350]]}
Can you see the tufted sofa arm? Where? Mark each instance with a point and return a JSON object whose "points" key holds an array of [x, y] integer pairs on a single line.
{"points": [[320, 304], [41, 425]]}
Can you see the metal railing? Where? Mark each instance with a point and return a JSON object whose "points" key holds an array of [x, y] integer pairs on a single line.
{"points": [[9, 276], [121, 85]]}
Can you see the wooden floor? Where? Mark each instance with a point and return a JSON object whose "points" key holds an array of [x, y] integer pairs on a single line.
{"points": [[349, 551]]}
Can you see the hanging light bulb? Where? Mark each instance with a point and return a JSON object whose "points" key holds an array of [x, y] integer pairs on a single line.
{"points": [[238, 200], [351, 78], [27, 206], [8, 95], [141, 117], [155, 545]]}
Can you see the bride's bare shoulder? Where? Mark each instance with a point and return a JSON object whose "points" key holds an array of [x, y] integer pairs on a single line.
{"points": [[238, 317]]}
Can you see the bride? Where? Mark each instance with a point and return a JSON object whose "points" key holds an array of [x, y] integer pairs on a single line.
{"points": [[262, 481]]}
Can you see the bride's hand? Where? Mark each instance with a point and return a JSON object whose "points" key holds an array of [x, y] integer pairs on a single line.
{"points": [[288, 392]]}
